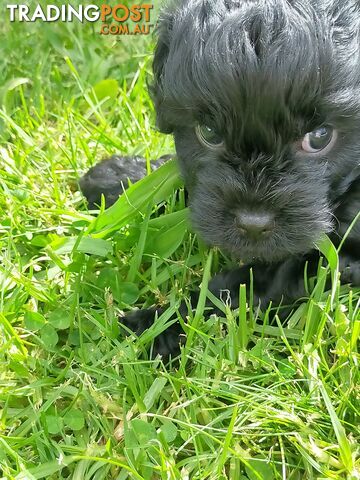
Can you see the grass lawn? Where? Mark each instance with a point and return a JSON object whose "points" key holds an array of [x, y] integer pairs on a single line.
{"points": [[78, 400]]}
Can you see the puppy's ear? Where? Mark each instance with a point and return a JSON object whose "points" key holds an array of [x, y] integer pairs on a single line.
{"points": [[160, 58]]}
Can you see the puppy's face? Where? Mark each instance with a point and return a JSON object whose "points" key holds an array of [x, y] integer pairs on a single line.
{"points": [[263, 99]]}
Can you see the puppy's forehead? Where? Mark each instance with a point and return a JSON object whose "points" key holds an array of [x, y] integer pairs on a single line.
{"points": [[251, 59]]}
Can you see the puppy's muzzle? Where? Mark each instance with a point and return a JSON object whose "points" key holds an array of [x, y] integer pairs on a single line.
{"points": [[255, 225]]}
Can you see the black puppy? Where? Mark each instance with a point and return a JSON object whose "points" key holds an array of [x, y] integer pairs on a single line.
{"points": [[263, 99]]}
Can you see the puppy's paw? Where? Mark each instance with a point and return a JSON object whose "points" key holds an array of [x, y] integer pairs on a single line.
{"points": [[350, 270], [167, 343], [139, 320]]}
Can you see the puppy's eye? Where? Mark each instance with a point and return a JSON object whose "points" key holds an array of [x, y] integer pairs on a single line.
{"points": [[319, 140], [209, 137]]}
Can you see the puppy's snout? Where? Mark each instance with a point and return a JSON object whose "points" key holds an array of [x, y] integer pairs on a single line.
{"points": [[255, 225]]}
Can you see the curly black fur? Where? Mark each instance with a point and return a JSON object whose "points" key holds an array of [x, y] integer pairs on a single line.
{"points": [[263, 74]]}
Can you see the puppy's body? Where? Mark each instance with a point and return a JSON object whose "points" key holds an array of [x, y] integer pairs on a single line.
{"points": [[111, 177], [263, 99]]}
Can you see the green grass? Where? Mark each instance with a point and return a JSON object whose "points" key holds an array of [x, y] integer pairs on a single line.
{"points": [[79, 401]]}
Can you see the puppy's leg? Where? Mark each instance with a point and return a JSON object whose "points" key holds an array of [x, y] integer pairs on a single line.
{"points": [[111, 177], [282, 282], [279, 282]]}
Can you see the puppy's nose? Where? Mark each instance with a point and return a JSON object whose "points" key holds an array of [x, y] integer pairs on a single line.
{"points": [[255, 225]]}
